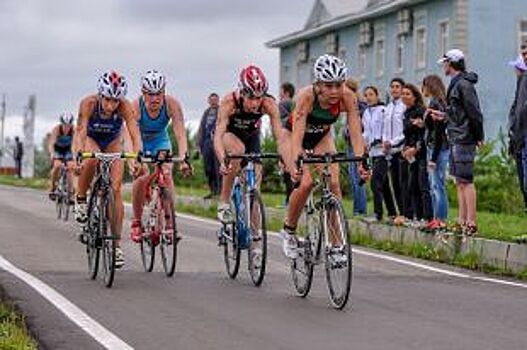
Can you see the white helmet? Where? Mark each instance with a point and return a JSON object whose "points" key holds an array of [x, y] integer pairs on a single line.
{"points": [[153, 82], [329, 69], [66, 118], [112, 85]]}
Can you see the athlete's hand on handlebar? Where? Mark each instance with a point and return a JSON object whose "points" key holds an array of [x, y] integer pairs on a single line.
{"points": [[185, 168]]}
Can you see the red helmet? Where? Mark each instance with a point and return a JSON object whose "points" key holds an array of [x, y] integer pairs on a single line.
{"points": [[253, 81]]}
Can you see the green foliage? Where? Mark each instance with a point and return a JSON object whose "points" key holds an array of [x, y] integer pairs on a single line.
{"points": [[13, 333]]}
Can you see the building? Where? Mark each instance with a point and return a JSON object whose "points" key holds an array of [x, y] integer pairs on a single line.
{"points": [[382, 39]]}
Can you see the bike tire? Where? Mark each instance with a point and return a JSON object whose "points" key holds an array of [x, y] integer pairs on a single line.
{"points": [[231, 248], [147, 246], [339, 287], [93, 246], [257, 271], [168, 238], [107, 231]]}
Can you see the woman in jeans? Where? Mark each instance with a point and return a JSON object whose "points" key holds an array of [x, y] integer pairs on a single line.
{"points": [[437, 145], [417, 202]]}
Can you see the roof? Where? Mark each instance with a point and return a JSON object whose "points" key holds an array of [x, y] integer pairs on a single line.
{"points": [[328, 15]]}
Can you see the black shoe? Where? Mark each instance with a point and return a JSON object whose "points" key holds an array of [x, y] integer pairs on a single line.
{"points": [[209, 196]]}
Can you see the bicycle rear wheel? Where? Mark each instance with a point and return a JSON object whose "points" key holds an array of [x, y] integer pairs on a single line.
{"points": [[302, 267], [65, 194], [91, 231], [168, 238], [107, 231], [231, 248], [258, 250], [150, 223], [338, 262]]}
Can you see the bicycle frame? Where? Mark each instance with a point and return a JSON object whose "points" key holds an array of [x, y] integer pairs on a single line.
{"points": [[244, 189]]}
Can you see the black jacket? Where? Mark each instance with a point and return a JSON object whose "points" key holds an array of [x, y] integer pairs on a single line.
{"points": [[518, 116], [413, 135], [465, 120], [436, 138]]}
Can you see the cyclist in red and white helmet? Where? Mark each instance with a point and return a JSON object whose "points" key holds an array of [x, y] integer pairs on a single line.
{"points": [[317, 108], [99, 129], [238, 127], [59, 148]]}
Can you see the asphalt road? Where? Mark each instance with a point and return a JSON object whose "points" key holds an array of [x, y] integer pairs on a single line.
{"points": [[394, 306]]}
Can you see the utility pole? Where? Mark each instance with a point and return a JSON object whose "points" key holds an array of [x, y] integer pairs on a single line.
{"points": [[28, 162], [2, 116]]}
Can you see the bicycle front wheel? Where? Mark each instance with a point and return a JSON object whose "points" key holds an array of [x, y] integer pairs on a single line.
{"points": [[231, 248], [107, 231], [258, 249], [147, 245], [338, 261], [168, 239], [93, 242]]}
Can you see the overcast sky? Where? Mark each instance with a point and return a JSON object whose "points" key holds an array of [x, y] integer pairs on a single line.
{"points": [[58, 48]]}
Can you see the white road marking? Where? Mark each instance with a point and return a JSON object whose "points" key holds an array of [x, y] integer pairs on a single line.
{"points": [[386, 257], [70, 310]]}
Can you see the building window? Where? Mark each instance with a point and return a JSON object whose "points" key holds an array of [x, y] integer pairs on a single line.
{"points": [[399, 53], [444, 33], [332, 44], [303, 52], [523, 32], [420, 47], [379, 57], [362, 61], [365, 34], [404, 22]]}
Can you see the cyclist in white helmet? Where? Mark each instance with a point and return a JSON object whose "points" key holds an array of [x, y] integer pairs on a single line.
{"points": [[59, 148], [153, 111], [99, 129], [316, 108]]}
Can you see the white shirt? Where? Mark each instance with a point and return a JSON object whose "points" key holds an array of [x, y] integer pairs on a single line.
{"points": [[393, 125], [373, 124]]}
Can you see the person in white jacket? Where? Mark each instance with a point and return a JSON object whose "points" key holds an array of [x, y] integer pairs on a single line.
{"points": [[373, 122]]}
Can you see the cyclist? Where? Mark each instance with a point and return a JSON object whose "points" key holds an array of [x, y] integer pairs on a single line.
{"points": [[59, 148], [99, 129], [153, 112], [317, 107]]}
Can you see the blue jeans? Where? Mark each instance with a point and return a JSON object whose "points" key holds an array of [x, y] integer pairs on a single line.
{"points": [[358, 191], [438, 185]]}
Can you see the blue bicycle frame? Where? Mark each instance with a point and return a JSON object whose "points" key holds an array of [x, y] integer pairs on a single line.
{"points": [[242, 204]]}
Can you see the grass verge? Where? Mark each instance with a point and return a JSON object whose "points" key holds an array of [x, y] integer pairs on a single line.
{"points": [[13, 331]]}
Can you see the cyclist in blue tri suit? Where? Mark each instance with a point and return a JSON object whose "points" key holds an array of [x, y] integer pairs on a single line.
{"points": [[59, 147], [154, 111], [99, 129]]}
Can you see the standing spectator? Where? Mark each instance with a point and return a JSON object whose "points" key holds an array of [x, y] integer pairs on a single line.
{"points": [[373, 123], [437, 145], [523, 52], [287, 92], [393, 137], [205, 141], [357, 187], [417, 202], [465, 133], [518, 124], [18, 154]]}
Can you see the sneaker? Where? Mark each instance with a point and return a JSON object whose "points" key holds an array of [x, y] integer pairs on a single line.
{"points": [[224, 213], [81, 215], [209, 196], [399, 220], [471, 230], [119, 258], [136, 233], [52, 196], [290, 244]]}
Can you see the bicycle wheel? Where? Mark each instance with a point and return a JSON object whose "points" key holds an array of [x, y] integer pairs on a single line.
{"points": [[65, 194], [168, 239], [257, 253], [231, 248], [93, 246], [148, 249], [302, 267], [108, 236], [58, 198], [338, 262]]}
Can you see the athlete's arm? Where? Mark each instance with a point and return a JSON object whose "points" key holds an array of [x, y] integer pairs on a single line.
{"points": [[351, 107], [178, 125], [225, 111], [303, 105], [52, 140], [270, 107], [126, 134], [86, 108], [128, 115]]}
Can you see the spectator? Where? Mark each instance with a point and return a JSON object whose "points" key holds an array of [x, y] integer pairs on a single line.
{"points": [[523, 52], [204, 140], [437, 145], [465, 133], [18, 154], [417, 201], [393, 137], [518, 124], [373, 123], [287, 92], [357, 187]]}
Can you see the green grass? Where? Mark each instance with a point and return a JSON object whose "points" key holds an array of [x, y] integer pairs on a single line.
{"points": [[13, 332], [37, 183]]}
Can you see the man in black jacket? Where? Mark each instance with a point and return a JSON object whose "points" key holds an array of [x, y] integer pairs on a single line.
{"points": [[518, 123], [465, 133]]}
